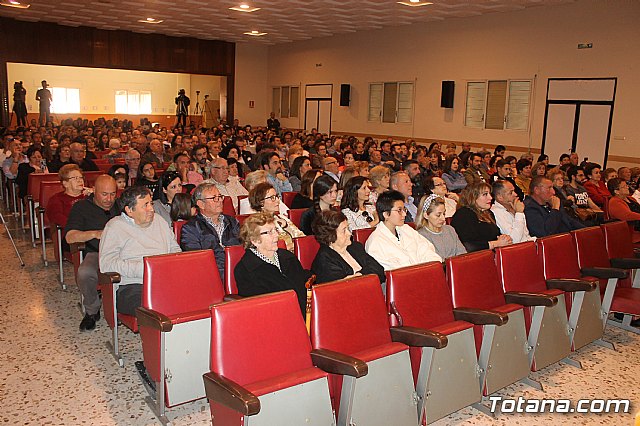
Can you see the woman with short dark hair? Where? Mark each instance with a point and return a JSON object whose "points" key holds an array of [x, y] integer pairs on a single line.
{"points": [[325, 191], [355, 205]]}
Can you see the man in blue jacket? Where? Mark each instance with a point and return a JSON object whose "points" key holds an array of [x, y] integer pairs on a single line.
{"points": [[210, 229], [544, 212]]}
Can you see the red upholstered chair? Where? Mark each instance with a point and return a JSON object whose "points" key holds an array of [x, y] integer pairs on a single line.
{"points": [[361, 235], [227, 206], [241, 197], [232, 255], [241, 218], [621, 252], [305, 249], [287, 198], [177, 229], [593, 260], [90, 178], [520, 270], [32, 199], [499, 326], [47, 190], [108, 284], [175, 326], [445, 368], [262, 371], [560, 262], [295, 215], [350, 317]]}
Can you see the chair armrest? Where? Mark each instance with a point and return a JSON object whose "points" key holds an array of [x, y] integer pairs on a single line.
{"points": [[604, 273], [230, 394], [571, 284], [480, 316], [418, 337], [108, 278], [74, 247], [337, 363], [40, 209], [625, 263], [530, 299], [153, 319], [231, 297]]}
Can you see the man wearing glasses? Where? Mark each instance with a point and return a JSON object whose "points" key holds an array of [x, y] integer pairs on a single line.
{"points": [[78, 154], [219, 176], [331, 168], [210, 229]]}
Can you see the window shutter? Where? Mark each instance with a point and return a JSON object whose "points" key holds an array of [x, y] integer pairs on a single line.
{"points": [[389, 102], [405, 102], [518, 105], [474, 114], [375, 101], [275, 101], [284, 104], [293, 105], [496, 99]]}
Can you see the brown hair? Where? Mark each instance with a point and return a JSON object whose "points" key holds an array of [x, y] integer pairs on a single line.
{"points": [[326, 224], [307, 182], [257, 194], [468, 198]]}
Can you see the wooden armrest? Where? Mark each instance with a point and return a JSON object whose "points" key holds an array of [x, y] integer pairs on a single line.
{"points": [[480, 316], [230, 394], [571, 284], [626, 263], [231, 297], [153, 319], [337, 363], [604, 273], [414, 336], [530, 299], [108, 278], [75, 247]]}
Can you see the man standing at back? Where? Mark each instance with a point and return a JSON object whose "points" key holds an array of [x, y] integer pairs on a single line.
{"points": [[44, 97], [86, 221]]}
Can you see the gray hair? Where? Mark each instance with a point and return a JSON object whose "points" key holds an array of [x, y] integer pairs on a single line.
{"points": [[197, 193]]}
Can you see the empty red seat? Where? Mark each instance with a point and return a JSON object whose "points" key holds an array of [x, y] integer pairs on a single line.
{"points": [[305, 249], [350, 317], [227, 206], [621, 252], [47, 190], [262, 372], [361, 235], [232, 255], [295, 215], [445, 370], [33, 198]]}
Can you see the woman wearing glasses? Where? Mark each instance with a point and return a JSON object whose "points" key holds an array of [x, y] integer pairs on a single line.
{"points": [[355, 204], [393, 243], [325, 191], [437, 186], [264, 198], [265, 268], [338, 257]]}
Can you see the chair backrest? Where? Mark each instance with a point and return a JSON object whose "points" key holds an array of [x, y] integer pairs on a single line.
{"points": [[181, 282], [227, 206], [287, 198], [361, 235], [259, 337], [349, 315], [591, 247], [559, 257], [104, 167], [420, 295], [177, 229], [242, 197], [618, 240], [305, 249], [48, 190], [295, 215], [90, 177], [474, 281], [232, 255], [33, 183], [241, 218], [520, 268], [412, 224]]}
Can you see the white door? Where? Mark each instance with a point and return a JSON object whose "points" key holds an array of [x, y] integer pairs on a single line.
{"points": [[559, 131], [318, 115], [311, 115], [593, 132]]}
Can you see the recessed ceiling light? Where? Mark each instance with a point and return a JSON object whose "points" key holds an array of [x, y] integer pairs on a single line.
{"points": [[151, 21], [14, 3], [415, 3], [244, 8], [255, 33]]}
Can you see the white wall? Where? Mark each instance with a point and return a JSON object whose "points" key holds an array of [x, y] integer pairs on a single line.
{"points": [[539, 42], [251, 84]]}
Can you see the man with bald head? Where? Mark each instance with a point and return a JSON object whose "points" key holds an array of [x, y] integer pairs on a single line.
{"points": [[157, 154], [86, 221], [219, 176]]}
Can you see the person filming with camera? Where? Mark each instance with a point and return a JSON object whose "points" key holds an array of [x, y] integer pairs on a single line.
{"points": [[19, 103], [182, 107]]}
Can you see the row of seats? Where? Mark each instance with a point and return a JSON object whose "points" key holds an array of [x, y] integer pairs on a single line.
{"points": [[448, 337]]}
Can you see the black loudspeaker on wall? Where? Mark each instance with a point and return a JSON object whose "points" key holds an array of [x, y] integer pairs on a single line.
{"points": [[345, 94], [446, 100]]}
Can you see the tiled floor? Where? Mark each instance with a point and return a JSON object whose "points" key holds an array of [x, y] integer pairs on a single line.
{"points": [[52, 374]]}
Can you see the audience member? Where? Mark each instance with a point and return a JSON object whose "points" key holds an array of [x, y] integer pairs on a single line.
{"points": [[147, 177], [523, 178], [400, 182], [355, 204], [451, 175], [331, 168], [508, 210], [299, 167], [325, 192], [304, 198], [621, 205], [431, 224], [263, 198], [132, 159], [504, 171], [62, 158], [182, 207], [78, 156], [219, 176], [35, 165], [379, 178], [170, 185], [271, 163], [543, 210], [475, 173], [437, 186], [596, 188], [583, 208]]}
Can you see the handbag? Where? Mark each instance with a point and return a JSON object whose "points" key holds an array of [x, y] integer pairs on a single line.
{"points": [[586, 214]]}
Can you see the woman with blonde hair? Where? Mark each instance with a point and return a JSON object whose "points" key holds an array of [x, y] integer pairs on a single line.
{"points": [[379, 178], [431, 224]]}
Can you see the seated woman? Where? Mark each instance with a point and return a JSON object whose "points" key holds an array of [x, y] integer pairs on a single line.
{"points": [[355, 204], [431, 225], [621, 205], [300, 166], [182, 207], [325, 191], [474, 221], [147, 177], [437, 186], [35, 165], [451, 174], [251, 180], [379, 178], [265, 268], [338, 257], [393, 243], [264, 198], [595, 185], [304, 198], [171, 184]]}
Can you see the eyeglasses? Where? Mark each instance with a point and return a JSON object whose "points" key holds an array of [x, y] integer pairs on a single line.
{"points": [[215, 198], [272, 197], [403, 210], [367, 216], [75, 178], [220, 167], [272, 231], [440, 184], [331, 163]]}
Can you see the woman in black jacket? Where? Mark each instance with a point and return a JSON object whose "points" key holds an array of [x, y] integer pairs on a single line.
{"points": [[339, 257]]}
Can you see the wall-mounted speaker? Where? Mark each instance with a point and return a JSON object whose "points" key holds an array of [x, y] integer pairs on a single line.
{"points": [[446, 99], [345, 94]]}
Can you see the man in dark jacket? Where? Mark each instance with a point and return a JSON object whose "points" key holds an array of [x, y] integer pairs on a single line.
{"points": [[543, 211], [210, 229]]}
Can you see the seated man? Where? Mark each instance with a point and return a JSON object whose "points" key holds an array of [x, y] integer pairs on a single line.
{"points": [[219, 176], [509, 212], [132, 159], [475, 173], [579, 195], [277, 179], [156, 154], [393, 243], [504, 172], [187, 170], [400, 182], [543, 210], [78, 154], [127, 239], [210, 229], [86, 221], [331, 168]]}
